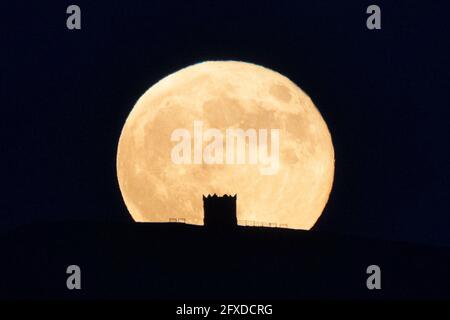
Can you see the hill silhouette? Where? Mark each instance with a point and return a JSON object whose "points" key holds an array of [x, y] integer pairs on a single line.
{"points": [[178, 261]]}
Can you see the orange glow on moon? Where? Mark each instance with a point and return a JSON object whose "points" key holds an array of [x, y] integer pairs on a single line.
{"points": [[226, 94]]}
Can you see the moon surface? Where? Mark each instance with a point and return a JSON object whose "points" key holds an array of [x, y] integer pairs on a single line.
{"points": [[226, 94]]}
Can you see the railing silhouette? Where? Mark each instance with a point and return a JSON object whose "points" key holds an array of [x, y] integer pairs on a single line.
{"points": [[246, 223], [252, 223]]}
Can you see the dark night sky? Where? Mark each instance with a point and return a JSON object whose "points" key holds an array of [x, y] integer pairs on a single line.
{"points": [[384, 95]]}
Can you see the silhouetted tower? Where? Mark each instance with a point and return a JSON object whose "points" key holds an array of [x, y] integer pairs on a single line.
{"points": [[219, 212]]}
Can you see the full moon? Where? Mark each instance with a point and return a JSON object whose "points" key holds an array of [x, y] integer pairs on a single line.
{"points": [[225, 95]]}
